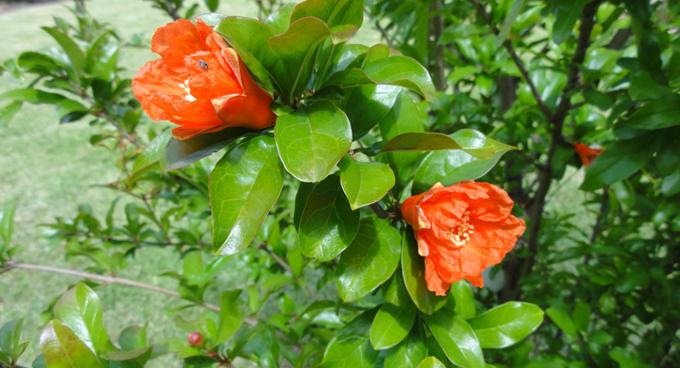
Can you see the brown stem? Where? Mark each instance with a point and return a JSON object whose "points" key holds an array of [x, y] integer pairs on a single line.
{"points": [[436, 30], [536, 210], [281, 262], [601, 217], [106, 280]]}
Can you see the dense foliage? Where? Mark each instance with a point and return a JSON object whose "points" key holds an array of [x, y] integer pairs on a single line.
{"points": [[328, 272]]}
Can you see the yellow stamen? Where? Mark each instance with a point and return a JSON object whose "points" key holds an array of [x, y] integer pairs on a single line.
{"points": [[461, 235]]}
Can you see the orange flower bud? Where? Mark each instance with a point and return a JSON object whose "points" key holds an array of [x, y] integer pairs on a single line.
{"points": [[199, 83], [586, 153], [461, 230]]}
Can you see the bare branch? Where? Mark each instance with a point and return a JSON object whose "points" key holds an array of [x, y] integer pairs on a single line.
{"points": [[107, 280]]}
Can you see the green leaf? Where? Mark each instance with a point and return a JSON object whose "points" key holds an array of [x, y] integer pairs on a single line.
{"points": [[581, 315], [406, 116], [430, 362], [365, 182], [366, 106], [73, 51], [452, 166], [63, 104], [566, 15], [151, 156], [181, 153], [62, 348], [130, 358], [506, 324], [312, 140], [279, 20], [327, 224], [456, 338], [425, 141], [11, 346], [8, 111], [80, 310], [7, 221], [408, 353], [394, 70], [133, 338], [212, 5], [344, 17], [232, 315], [244, 186], [249, 37], [370, 260], [562, 320], [391, 325], [657, 114], [461, 292], [413, 271], [295, 50], [351, 347], [619, 161]]}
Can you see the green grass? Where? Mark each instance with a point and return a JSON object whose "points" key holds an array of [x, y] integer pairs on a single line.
{"points": [[51, 168]]}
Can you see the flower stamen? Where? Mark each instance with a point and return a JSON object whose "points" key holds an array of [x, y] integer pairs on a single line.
{"points": [[461, 235], [185, 86]]}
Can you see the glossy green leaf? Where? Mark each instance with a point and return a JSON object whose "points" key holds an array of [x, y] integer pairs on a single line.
{"points": [[562, 319], [366, 106], [151, 156], [657, 114], [425, 141], [80, 310], [456, 338], [244, 186], [619, 161], [365, 182], [295, 50], [406, 116], [327, 223], [312, 140], [464, 300], [280, 19], [351, 347], [370, 260], [249, 37], [452, 166], [232, 315], [413, 271], [344, 17], [430, 362], [408, 353], [391, 325], [62, 348], [506, 324], [394, 70], [181, 153]]}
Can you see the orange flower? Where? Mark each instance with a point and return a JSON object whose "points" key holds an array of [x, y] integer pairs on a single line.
{"points": [[199, 83], [461, 230], [586, 153]]}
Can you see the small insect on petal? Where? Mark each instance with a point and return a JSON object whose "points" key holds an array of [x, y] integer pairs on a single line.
{"points": [[203, 65]]}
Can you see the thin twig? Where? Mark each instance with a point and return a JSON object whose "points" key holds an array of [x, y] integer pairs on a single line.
{"points": [[107, 280], [280, 261], [515, 59]]}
